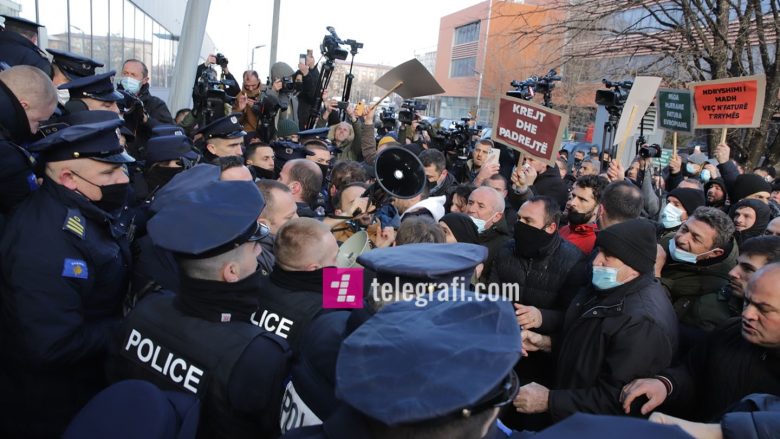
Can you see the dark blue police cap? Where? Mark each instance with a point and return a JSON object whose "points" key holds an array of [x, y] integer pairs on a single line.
{"points": [[21, 23], [135, 409], [209, 221], [450, 358], [586, 426], [98, 87], [73, 65], [186, 181], [318, 133], [97, 140], [227, 127], [168, 130], [424, 263], [80, 118], [166, 148], [285, 151]]}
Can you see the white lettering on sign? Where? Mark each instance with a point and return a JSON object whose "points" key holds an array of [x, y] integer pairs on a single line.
{"points": [[528, 112], [163, 361], [272, 322], [295, 412], [529, 143]]}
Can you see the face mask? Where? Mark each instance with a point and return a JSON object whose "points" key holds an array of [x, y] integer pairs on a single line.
{"points": [[671, 216], [605, 278], [691, 169], [576, 218], [159, 176], [63, 96], [130, 85], [529, 241], [705, 175], [682, 255], [479, 223], [114, 195], [577, 161], [262, 173]]}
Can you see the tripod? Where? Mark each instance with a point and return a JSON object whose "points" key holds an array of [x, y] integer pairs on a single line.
{"points": [[322, 85], [354, 46]]}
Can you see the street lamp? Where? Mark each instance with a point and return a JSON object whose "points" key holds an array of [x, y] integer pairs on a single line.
{"points": [[253, 54]]}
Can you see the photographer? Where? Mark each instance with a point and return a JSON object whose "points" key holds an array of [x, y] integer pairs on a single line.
{"points": [[308, 75], [231, 85], [207, 82], [283, 88], [250, 92]]}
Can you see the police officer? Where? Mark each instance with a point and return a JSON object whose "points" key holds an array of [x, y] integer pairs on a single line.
{"points": [[94, 92], [200, 340], [309, 397], [442, 370], [222, 137], [64, 277], [66, 67], [166, 156], [27, 97], [19, 44]]}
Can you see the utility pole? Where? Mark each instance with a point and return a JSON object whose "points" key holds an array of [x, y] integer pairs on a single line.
{"points": [[274, 34]]}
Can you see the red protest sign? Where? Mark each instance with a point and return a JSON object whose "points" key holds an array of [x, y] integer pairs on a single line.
{"points": [[729, 103], [529, 128]]}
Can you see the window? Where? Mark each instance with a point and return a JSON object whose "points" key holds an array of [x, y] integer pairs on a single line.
{"points": [[463, 67], [466, 34]]}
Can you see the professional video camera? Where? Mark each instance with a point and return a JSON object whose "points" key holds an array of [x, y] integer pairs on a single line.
{"points": [[456, 144], [265, 109], [209, 95], [388, 121], [410, 108], [527, 89], [614, 99], [650, 151], [331, 46]]}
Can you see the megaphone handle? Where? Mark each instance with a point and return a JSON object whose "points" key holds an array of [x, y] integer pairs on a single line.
{"points": [[389, 92]]}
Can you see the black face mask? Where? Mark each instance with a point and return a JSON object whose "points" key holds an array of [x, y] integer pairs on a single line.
{"points": [[262, 173], [158, 177], [114, 196], [576, 218], [529, 241], [577, 161], [325, 170]]}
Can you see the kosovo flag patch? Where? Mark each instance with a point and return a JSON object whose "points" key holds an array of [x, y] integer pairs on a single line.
{"points": [[75, 268]]}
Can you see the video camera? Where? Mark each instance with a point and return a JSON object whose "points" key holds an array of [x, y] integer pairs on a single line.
{"points": [[614, 99], [456, 144], [388, 120], [527, 89], [331, 46], [265, 109], [222, 61], [209, 95], [410, 108], [650, 151]]}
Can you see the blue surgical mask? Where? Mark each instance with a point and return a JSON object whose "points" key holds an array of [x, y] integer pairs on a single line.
{"points": [[605, 278], [130, 85], [671, 216], [682, 255], [705, 175], [479, 223], [691, 169]]}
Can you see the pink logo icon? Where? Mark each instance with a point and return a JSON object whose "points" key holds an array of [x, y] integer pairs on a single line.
{"points": [[342, 288]]}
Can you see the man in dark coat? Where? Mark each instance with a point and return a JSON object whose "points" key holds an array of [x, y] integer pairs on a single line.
{"points": [[534, 177], [135, 80], [624, 307]]}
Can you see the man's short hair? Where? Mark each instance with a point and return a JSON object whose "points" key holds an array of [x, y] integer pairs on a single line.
{"points": [[552, 211], [694, 181], [267, 187], [419, 229], [144, 69], [337, 198], [182, 111], [496, 177], [766, 246], [718, 220], [250, 73], [296, 239], [29, 83], [487, 142], [433, 157], [208, 268], [622, 201], [345, 172], [229, 162], [594, 182], [250, 149], [309, 177]]}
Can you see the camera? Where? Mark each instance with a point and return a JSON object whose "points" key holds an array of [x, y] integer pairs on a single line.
{"points": [[650, 151], [331, 47], [410, 107], [289, 85], [209, 96], [613, 99], [527, 89], [342, 105], [221, 60]]}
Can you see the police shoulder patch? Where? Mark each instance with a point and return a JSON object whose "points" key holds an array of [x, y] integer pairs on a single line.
{"points": [[75, 268], [75, 223]]}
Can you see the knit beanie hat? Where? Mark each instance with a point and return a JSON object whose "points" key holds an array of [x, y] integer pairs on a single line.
{"points": [[286, 128], [748, 184], [632, 241], [690, 198], [463, 228]]}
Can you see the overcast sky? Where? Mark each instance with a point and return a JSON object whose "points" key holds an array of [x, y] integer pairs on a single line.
{"points": [[392, 32]]}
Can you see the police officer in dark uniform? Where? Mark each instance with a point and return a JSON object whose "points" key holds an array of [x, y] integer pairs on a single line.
{"points": [[166, 156], [200, 340], [310, 395], [441, 370], [19, 44], [64, 277], [94, 92], [66, 67], [222, 137]]}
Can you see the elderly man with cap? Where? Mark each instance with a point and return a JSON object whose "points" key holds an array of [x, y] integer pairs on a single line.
{"points": [[200, 339], [624, 307], [222, 137], [94, 92], [64, 278], [27, 97]]}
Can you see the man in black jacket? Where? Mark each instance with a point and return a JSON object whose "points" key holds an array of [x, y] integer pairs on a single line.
{"points": [[619, 328], [534, 177], [135, 80]]}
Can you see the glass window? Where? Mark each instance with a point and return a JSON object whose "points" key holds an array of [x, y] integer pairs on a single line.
{"points": [[129, 33], [80, 28], [116, 29], [27, 9], [147, 40], [467, 33], [463, 67], [55, 17], [138, 51], [100, 20]]}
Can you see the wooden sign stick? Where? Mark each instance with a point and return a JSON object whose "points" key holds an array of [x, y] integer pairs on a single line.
{"points": [[674, 144], [389, 92], [723, 136]]}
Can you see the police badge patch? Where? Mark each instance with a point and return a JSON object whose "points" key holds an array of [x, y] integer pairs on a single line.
{"points": [[75, 268], [75, 223]]}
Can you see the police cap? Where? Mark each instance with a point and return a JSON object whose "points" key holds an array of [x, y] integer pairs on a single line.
{"points": [[186, 181], [19, 24], [168, 130], [98, 140], [450, 358], [166, 148], [98, 87], [209, 221], [424, 262], [285, 151], [587, 426], [80, 118], [73, 65], [227, 127]]}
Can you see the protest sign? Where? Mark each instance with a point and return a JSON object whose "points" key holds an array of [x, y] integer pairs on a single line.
{"points": [[675, 110], [530, 128], [729, 103]]}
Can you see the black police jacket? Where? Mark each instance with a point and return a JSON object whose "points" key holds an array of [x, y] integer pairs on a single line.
{"points": [[236, 369], [64, 277], [17, 50], [154, 106], [610, 338], [16, 164]]}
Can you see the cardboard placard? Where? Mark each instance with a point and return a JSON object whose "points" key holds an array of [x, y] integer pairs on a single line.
{"points": [[675, 110], [730, 102], [639, 99], [410, 80], [530, 128]]}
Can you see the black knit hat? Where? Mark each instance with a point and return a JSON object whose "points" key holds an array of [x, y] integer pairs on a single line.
{"points": [[690, 198], [632, 241], [748, 184], [463, 228]]}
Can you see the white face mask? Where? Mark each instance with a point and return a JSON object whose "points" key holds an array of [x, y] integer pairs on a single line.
{"points": [[480, 223], [63, 96], [671, 216], [131, 85], [680, 255]]}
